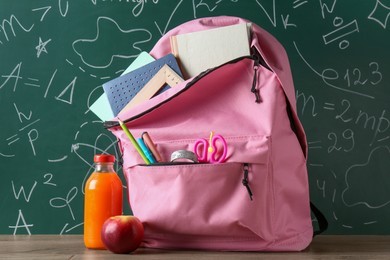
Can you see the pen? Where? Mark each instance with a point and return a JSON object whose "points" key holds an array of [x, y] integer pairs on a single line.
{"points": [[146, 150], [149, 143], [133, 141]]}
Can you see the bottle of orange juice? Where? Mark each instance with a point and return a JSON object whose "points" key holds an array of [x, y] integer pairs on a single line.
{"points": [[103, 199]]}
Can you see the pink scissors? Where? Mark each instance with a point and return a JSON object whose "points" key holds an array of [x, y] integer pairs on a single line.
{"points": [[203, 148]]}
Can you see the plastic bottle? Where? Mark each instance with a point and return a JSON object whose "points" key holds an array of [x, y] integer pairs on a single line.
{"points": [[103, 199]]}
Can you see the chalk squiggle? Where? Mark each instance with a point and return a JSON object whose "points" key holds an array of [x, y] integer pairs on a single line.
{"points": [[355, 167], [145, 34]]}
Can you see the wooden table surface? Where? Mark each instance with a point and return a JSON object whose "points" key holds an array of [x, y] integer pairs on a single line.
{"points": [[55, 247]]}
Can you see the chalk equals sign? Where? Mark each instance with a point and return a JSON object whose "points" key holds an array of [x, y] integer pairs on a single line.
{"points": [[298, 3], [329, 106], [33, 82], [314, 145]]}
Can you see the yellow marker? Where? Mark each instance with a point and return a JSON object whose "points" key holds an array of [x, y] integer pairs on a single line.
{"points": [[210, 148], [133, 141]]}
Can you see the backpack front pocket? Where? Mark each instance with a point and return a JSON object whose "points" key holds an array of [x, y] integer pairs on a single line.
{"points": [[206, 202]]}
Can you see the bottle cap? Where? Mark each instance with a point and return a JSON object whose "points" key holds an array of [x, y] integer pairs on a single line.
{"points": [[104, 158]]}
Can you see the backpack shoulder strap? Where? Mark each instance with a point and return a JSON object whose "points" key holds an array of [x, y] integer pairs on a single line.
{"points": [[322, 222]]}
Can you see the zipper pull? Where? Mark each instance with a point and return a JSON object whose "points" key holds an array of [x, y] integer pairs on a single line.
{"points": [[245, 181], [254, 82]]}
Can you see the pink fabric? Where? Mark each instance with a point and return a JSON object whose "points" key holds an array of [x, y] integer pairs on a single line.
{"points": [[205, 206]]}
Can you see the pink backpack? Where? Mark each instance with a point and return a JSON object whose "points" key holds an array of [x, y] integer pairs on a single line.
{"points": [[258, 200]]}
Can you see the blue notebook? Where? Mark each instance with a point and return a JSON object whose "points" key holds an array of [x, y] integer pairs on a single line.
{"points": [[121, 90]]}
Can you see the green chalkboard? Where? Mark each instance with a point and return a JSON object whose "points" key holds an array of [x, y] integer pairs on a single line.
{"points": [[55, 55]]}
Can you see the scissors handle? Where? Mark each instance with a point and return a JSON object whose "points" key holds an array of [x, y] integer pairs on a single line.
{"points": [[222, 158], [200, 149]]}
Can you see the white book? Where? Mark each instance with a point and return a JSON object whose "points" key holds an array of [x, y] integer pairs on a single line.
{"points": [[199, 51]]}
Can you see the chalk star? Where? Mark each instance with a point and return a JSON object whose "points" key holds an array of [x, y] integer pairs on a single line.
{"points": [[41, 47], [380, 14]]}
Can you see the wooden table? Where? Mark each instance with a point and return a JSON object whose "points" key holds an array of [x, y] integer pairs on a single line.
{"points": [[71, 247]]}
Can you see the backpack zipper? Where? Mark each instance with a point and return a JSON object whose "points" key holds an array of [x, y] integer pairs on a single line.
{"points": [[245, 181], [258, 61], [255, 56], [254, 82]]}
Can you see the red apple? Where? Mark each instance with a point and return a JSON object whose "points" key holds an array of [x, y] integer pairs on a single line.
{"points": [[122, 234]]}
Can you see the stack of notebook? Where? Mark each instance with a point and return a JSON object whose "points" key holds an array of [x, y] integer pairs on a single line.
{"points": [[192, 53]]}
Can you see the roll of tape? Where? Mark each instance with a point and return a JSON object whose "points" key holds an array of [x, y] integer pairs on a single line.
{"points": [[184, 155]]}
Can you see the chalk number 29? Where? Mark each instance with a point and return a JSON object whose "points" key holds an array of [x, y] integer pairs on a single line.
{"points": [[346, 143]]}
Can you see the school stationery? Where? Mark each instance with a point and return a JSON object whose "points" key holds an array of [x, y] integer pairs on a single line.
{"points": [[209, 151], [101, 107], [198, 51], [184, 156], [121, 90], [152, 147], [258, 199], [146, 150], [133, 142], [164, 76], [142, 59]]}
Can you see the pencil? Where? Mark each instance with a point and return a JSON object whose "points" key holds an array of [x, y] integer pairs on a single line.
{"points": [[133, 141]]}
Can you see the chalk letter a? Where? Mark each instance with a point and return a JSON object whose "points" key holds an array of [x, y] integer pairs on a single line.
{"points": [[25, 225]]}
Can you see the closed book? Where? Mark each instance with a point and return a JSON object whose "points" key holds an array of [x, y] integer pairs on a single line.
{"points": [[199, 51]]}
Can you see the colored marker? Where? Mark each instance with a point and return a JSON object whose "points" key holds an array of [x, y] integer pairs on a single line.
{"points": [[133, 141], [149, 143], [146, 150]]}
